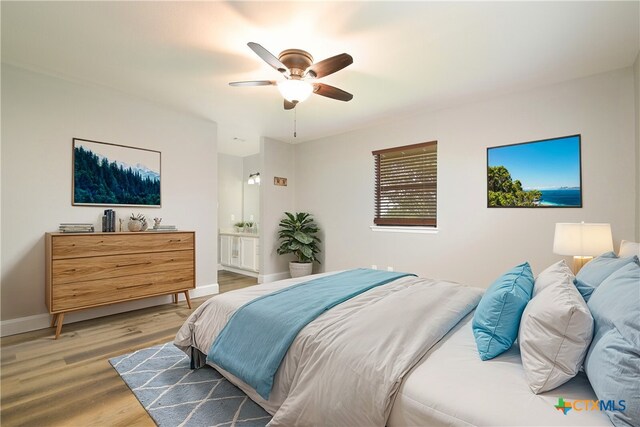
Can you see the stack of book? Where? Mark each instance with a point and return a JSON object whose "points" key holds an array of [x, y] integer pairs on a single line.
{"points": [[164, 228], [109, 221], [76, 227]]}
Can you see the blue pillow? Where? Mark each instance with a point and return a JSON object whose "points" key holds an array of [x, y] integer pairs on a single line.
{"points": [[613, 361], [497, 317], [594, 272]]}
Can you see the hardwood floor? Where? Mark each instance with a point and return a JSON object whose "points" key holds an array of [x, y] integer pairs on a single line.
{"points": [[69, 381], [229, 281]]}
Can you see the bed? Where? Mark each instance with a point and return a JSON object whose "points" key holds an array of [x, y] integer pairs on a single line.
{"points": [[470, 391], [439, 380]]}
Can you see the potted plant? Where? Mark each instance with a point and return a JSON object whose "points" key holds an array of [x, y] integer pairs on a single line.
{"points": [[297, 235], [137, 223], [239, 226]]}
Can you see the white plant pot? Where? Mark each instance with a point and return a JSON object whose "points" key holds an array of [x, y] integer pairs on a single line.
{"points": [[134, 225], [299, 269]]}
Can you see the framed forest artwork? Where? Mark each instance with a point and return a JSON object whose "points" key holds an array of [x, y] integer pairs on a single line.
{"points": [[537, 174], [114, 175]]}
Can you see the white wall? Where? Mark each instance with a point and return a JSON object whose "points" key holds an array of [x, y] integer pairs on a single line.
{"points": [[251, 193], [40, 116], [334, 181], [636, 74], [277, 160], [230, 182]]}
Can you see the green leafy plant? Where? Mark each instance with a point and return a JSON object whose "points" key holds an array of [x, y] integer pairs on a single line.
{"points": [[297, 236], [239, 224], [504, 191]]}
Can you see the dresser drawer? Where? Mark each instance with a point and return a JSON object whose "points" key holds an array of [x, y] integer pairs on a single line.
{"points": [[72, 270], [73, 296], [125, 243]]}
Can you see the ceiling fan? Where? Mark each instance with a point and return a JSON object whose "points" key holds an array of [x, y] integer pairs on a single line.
{"points": [[297, 67]]}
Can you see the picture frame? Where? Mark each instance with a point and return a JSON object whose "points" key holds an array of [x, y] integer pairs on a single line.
{"points": [[545, 173], [105, 174]]}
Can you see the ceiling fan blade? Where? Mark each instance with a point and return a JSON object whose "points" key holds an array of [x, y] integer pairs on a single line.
{"points": [[269, 58], [331, 92], [254, 83], [329, 65], [288, 105]]}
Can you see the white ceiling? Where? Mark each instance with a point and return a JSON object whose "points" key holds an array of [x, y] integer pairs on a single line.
{"points": [[407, 55]]}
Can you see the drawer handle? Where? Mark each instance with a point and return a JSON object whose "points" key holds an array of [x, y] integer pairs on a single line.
{"points": [[134, 286], [175, 240], [134, 264]]}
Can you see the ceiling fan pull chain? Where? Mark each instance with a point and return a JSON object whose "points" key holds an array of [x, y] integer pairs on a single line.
{"points": [[295, 123]]}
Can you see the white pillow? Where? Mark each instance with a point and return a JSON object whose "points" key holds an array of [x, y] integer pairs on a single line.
{"points": [[553, 274], [555, 332], [628, 248]]}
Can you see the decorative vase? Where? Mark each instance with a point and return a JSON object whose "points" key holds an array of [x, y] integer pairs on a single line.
{"points": [[299, 269], [135, 225]]}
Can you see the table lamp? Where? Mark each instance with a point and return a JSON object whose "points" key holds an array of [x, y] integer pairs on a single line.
{"points": [[582, 240]]}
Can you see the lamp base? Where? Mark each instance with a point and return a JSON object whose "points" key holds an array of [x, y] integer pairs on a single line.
{"points": [[579, 262]]}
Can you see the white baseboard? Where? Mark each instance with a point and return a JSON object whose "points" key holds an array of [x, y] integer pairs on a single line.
{"points": [[203, 291], [239, 271], [266, 278], [42, 321]]}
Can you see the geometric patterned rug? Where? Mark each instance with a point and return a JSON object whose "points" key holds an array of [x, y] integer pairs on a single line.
{"points": [[175, 395]]}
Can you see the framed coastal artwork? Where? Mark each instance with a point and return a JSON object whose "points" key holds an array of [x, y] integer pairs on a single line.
{"points": [[537, 174], [114, 175]]}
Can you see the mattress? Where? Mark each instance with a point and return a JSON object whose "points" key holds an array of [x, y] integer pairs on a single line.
{"points": [[345, 367], [451, 386]]}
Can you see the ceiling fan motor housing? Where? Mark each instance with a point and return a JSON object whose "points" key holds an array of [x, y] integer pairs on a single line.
{"points": [[296, 60]]}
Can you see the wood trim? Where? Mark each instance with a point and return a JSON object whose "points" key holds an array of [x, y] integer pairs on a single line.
{"points": [[404, 147], [377, 186], [406, 221]]}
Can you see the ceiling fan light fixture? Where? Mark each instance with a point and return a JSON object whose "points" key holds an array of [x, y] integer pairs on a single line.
{"points": [[295, 90]]}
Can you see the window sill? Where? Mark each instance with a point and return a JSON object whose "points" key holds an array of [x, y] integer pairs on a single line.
{"points": [[404, 229]]}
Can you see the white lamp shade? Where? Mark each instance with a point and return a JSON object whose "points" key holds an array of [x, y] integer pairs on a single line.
{"points": [[582, 239], [295, 90]]}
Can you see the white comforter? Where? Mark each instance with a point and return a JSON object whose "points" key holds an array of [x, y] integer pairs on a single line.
{"points": [[345, 367]]}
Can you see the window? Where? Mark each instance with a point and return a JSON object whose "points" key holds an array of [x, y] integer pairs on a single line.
{"points": [[406, 185]]}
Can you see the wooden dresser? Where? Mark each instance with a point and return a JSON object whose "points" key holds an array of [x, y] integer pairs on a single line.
{"points": [[94, 269]]}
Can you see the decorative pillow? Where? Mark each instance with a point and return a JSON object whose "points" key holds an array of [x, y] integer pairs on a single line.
{"points": [[552, 275], [497, 317], [594, 272], [613, 361], [628, 248], [555, 332]]}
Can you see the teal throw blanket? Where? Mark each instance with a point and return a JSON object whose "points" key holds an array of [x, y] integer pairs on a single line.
{"points": [[256, 338]]}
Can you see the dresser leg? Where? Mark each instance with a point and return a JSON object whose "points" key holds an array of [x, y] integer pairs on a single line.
{"points": [[60, 318], [186, 295], [54, 318], [175, 298]]}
